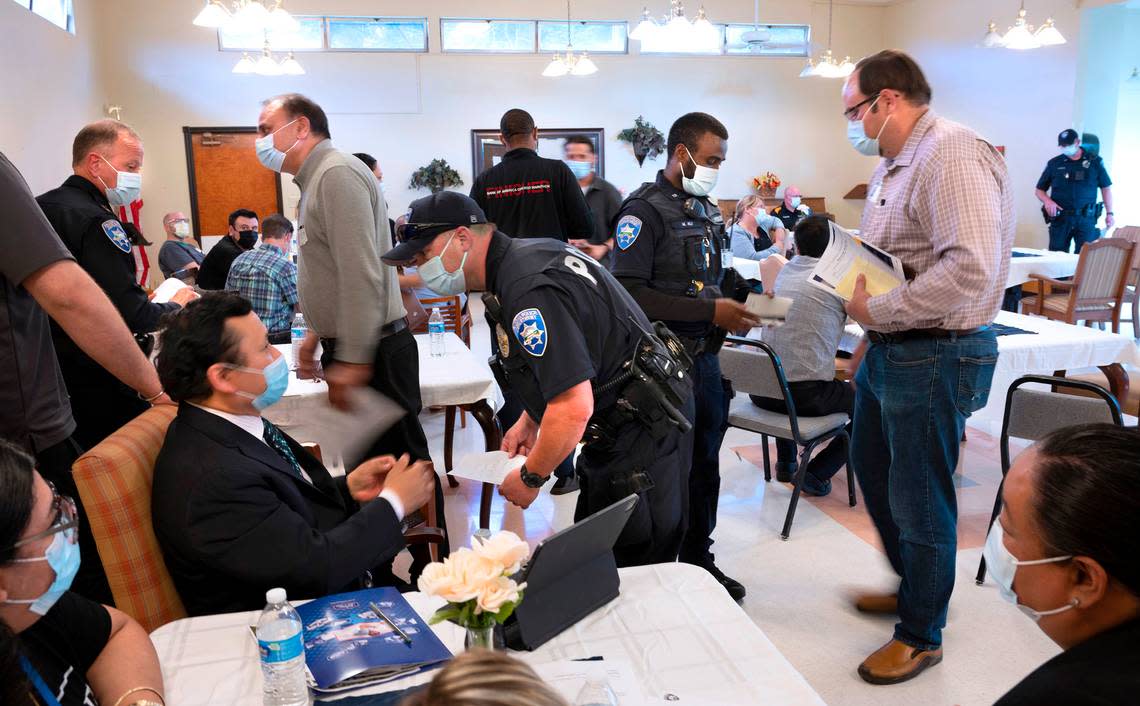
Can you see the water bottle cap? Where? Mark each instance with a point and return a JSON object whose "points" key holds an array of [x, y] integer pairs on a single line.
{"points": [[275, 595]]}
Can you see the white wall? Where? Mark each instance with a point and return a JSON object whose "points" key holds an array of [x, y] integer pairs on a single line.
{"points": [[1017, 99], [408, 109], [50, 89]]}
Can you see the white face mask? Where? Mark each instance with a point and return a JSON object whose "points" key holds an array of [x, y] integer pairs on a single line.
{"points": [[703, 181], [181, 229], [438, 279], [1003, 566]]}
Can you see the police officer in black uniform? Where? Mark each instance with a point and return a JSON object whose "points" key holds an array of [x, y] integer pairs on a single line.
{"points": [[581, 356], [672, 256], [106, 158], [1070, 207]]}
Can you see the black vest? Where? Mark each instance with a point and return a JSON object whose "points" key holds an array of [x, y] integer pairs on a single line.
{"points": [[688, 261]]}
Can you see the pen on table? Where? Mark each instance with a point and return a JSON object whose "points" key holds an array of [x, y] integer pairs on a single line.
{"points": [[380, 614]]}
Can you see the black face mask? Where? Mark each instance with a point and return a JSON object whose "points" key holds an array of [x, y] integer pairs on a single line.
{"points": [[247, 239]]}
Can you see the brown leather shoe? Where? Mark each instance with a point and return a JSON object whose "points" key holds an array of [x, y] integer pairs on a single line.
{"points": [[897, 662], [878, 603]]}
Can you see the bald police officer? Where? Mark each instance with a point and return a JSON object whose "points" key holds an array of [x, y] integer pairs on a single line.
{"points": [[673, 258], [107, 157], [581, 356], [1070, 207]]}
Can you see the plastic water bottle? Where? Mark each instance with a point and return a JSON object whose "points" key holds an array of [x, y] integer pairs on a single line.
{"points": [[297, 336], [282, 648], [436, 330], [597, 691]]}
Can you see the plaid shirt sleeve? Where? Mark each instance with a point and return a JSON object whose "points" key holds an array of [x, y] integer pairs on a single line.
{"points": [[959, 205]]}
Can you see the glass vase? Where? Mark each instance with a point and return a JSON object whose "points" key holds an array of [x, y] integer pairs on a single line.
{"points": [[480, 638]]}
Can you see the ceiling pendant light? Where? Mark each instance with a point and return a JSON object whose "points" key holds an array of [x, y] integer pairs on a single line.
{"points": [[291, 67], [992, 40], [213, 15], [569, 63], [705, 35], [808, 70], [248, 16], [1048, 34], [245, 65], [1020, 36], [827, 66], [644, 29]]}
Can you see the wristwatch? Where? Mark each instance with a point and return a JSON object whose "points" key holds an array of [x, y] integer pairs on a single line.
{"points": [[532, 480]]}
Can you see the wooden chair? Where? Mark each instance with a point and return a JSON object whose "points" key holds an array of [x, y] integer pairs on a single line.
{"points": [[114, 481], [456, 317], [1096, 291], [1132, 285]]}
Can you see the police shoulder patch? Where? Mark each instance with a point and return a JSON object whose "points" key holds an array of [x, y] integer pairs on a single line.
{"points": [[626, 232], [530, 329], [114, 231]]}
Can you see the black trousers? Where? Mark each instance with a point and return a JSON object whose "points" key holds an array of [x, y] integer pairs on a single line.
{"points": [[100, 404], [54, 464], [396, 375], [814, 398]]}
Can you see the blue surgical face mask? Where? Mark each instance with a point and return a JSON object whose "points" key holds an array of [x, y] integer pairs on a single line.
{"points": [[581, 169], [796, 201], [859, 140], [128, 187], [276, 381], [1070, 150], [62, 556], [268, 154], [1003, 567], [438, 279]]}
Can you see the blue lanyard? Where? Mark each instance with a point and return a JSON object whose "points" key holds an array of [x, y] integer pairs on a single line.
{"points": [[38, 682]]}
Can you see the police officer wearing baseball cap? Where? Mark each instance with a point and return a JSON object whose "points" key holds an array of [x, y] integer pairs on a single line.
{"points": [[1070, 207], [585, 361]]}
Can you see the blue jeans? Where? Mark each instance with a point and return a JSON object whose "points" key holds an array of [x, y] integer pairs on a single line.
{"points": [[912, 400], [711, 397]]}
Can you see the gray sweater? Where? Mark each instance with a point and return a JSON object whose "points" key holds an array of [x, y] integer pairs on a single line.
{"points": [[345, 291]]}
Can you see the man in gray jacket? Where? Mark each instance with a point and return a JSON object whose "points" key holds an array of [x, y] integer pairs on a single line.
{"points": [[351, 300]]}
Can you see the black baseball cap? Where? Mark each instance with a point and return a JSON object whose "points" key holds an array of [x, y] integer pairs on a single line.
{"points": [[430, 216], [1067, 137]]}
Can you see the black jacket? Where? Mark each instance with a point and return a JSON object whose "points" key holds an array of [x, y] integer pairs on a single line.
{"points": [[1098, 672], [528, 196], [233, 520], [215, 267]]}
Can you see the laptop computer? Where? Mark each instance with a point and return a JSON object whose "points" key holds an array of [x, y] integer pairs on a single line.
{"points": [[571, 574]]}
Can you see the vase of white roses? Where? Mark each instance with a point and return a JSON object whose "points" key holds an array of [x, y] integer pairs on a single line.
{"points": [[477, 585]]}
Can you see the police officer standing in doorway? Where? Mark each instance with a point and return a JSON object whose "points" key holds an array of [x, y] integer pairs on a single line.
{"points": [[1070, 207], [672, 257], [106, 157], [583, 359]]}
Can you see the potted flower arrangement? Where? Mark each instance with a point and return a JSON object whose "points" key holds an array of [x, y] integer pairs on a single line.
{"points": [[766, 184], [646, 139], [477, 585], [435, 176]]}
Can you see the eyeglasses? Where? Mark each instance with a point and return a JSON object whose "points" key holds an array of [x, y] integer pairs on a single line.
{"points": [[65, 518], [853, 110]]}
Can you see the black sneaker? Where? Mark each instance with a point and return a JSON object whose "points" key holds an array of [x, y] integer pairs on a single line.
{"points": [[815, 487], [734, 587], [564, 485]]}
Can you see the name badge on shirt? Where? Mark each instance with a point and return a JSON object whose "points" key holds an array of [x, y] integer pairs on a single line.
{"points": [[873, 197], [725, 259]]}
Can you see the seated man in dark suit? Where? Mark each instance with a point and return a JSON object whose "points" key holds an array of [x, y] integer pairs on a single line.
{"points": [[238, 506]]}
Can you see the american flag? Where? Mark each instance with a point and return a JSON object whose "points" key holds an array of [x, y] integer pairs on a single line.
{"points": [[138, 251]]}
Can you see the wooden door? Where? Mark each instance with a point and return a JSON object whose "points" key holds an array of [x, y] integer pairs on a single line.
{"points": [[224, 175]]}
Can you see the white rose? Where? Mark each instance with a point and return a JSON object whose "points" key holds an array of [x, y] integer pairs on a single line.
{"points": [[505, 549], [460, 577], [497, 593]]}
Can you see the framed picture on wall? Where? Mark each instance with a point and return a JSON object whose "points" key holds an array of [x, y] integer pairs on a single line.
{"points": [[487, 150]]}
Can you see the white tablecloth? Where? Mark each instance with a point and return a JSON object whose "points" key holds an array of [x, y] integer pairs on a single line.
{"points": [[1055, 346], [673, 623], [1044, 262], [458, 377]]}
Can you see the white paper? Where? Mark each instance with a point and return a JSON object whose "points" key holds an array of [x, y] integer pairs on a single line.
{"points": [[167, 290], [847, 257], [487, 467], [568, 677], [770, 310], [347, 435]]}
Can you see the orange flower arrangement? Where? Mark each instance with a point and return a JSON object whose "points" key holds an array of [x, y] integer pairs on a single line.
{"points": [[767, 182]]}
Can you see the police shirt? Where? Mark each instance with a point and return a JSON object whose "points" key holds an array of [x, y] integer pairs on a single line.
{"points": [[641, 256], [564, 315], [1073, 183], [82, 217], [34, 411], [527, 196]]}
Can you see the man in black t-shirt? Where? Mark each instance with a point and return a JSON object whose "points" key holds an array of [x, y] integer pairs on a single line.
{"points": [[241, 237]]}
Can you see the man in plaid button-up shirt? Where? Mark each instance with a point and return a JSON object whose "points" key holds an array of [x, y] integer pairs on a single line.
{"points": [[268, 278], [941, 201]]}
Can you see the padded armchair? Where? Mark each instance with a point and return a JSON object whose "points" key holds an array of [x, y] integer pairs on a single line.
{"points": [[114, 481], [1132, 285], [1095, 293]]}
